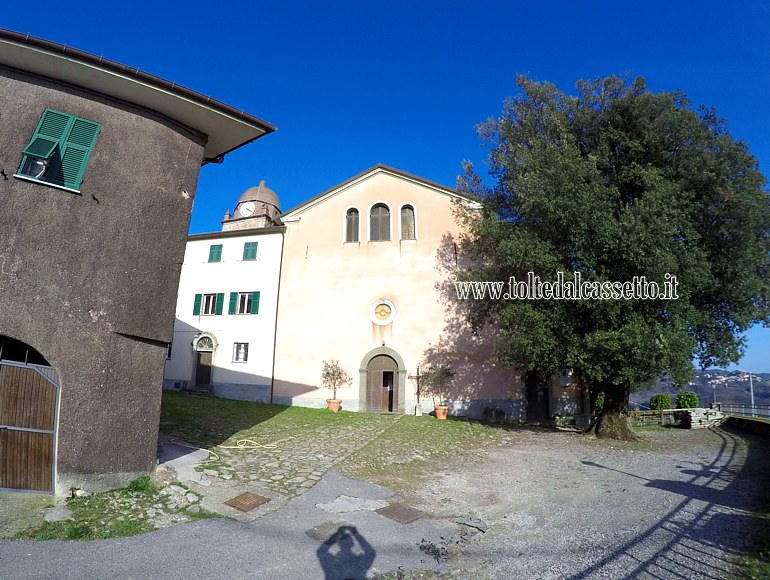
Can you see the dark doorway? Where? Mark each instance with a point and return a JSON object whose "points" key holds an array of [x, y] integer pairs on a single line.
{"points": [[381, 387], [203, 369], [537, 398]]}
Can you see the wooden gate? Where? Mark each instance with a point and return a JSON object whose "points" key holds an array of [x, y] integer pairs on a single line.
{"points": [[28, 400]]}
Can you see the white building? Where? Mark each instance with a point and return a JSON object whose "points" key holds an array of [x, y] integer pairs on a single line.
{"points": [[226, 308]]}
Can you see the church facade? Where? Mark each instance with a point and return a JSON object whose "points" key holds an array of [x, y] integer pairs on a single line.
{"points": [[360, 274]]}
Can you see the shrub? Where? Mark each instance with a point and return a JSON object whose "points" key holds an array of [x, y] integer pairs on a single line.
{"points": [[333, 377], [660, 401], [144, 483], [435, 380], [599, 404], [686, 400]]}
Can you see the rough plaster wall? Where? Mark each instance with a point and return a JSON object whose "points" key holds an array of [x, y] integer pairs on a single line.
{"points": [[80, 273]]}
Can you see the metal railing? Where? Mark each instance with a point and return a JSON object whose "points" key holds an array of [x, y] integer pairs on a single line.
{"points": [[762, 411]]}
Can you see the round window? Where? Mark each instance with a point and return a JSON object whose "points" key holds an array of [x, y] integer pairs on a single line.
{"points": [[382, 312]]}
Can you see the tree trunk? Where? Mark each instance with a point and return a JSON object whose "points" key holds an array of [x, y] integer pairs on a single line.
{"points": [[613, 422]]}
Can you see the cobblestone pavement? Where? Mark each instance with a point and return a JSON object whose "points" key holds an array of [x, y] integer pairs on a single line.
{"points": [[278, 469]]}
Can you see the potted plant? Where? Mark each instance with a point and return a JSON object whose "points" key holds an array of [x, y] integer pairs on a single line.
{"points": [[333, 377], [436, 380]]}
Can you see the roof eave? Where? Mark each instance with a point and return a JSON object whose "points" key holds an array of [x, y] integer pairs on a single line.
{"points": [[226, 127]]}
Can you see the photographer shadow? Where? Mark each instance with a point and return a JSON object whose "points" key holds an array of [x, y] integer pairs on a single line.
{"points": [[346, 555]]}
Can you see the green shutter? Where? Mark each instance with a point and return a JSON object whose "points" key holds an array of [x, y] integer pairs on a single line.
{"points": [[255, 302], [75, 138], [197, 305], [76, 150], [220, 303], [53, 124], [215, 253], [233, 303], [40, 147], [250, 251]]}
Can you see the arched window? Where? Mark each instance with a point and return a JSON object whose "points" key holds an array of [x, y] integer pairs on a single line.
{"points": [[379, 223], [407, 223], [351, 225]]}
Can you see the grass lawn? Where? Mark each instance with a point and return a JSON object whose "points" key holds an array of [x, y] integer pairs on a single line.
{"points": [[389, 449]]}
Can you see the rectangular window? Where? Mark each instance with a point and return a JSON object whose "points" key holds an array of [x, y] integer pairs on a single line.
{"points": [[59, 150], [208, 304], [241, 352], [244, 303], [250, 251], [168, 350], [215, 253]]}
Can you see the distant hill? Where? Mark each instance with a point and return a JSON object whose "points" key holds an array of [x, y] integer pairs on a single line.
{"points": [[728, 386]]}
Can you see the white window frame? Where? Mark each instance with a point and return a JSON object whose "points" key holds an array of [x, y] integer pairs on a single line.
{"points": [[244, 299], [209, 302], [244, 351]]}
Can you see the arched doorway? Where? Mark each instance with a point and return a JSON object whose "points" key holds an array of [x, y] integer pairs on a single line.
{"points": [[382, 381], [204, 345], [381, 387], [29, 396]]}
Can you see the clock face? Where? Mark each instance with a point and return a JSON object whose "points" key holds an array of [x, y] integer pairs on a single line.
{"points": [[247, 209]]}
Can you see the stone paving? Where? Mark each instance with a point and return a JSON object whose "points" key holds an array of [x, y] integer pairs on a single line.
{"points": [[291, 465]]}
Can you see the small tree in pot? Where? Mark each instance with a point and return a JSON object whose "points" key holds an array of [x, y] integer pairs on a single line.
{"points": [[436, 380], [333, 377]]}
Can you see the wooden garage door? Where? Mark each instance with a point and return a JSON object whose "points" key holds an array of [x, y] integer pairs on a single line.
{"points": [[27, 429]]}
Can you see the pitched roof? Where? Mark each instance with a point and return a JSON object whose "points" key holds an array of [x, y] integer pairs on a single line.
{"points": [[227, 128], [379, 168]]}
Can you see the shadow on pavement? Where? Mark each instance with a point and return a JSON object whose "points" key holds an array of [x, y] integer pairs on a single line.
{"points": [[345, 555]]}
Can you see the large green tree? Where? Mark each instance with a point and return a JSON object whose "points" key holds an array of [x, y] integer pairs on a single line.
{"points": [[618, 182]]}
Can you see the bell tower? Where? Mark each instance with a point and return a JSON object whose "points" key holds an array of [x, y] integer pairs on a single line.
{"points": [[258, 207]]}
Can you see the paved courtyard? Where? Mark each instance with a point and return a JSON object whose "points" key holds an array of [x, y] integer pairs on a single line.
{"points": [[506, 503]]}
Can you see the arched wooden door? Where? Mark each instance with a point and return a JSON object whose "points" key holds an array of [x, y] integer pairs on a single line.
{"points": [[382, 384], [28, 395]]}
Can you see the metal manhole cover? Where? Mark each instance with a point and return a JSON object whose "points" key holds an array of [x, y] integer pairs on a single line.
{"points": [[400, 513], [247, 501]]}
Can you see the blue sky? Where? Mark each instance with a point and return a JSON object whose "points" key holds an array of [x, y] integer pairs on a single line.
{"points": [[352, 84]]}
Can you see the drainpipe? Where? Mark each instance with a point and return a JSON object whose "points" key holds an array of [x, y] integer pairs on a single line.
{"points": [[277, 299]]}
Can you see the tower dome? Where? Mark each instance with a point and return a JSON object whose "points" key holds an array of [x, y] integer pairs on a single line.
{"points": [[258, 207], [260, 194]]}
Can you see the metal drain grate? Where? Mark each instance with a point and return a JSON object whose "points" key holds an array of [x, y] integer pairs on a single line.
{"points": [[400, 513], [247, 501]]}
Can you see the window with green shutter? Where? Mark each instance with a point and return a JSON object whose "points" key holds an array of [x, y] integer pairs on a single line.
{"points": [[215, 253], [243, 303], [208, 304], [59, 150], [250, 251]]}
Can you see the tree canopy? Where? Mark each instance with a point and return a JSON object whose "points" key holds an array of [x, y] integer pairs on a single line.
{"points": [[618, 182]]}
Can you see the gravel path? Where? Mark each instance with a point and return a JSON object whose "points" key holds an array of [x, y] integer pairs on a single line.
{"points": [[563, 506]]}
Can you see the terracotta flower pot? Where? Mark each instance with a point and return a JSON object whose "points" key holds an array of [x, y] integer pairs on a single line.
{"points": [[441, 411], [333, 405]]}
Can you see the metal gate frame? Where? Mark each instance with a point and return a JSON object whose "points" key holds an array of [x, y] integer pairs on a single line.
{"points": [[49, 374]]}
